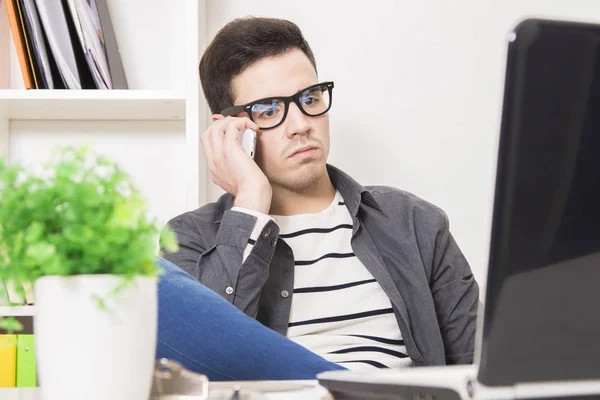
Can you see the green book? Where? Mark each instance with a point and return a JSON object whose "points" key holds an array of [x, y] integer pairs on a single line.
{"points": [[26, 368]]}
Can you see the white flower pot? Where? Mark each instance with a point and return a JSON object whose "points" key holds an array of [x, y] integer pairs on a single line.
{"points": [[84, 352]]}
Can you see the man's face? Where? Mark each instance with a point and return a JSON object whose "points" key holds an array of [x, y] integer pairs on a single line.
{"points": [[277, 149]]}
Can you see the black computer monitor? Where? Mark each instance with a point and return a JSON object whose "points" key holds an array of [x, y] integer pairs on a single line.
{"points": [[542, 309]]}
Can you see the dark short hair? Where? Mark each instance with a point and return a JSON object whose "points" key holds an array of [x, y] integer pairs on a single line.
{"points": [[239, 44]]}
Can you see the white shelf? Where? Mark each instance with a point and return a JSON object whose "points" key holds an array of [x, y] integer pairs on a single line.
{"points": [[17, 311], [22, 393], [18, 104]]}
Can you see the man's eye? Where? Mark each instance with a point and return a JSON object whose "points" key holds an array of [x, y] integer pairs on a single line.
{"points": [[267, 110], [309, 100], [268, 113]]}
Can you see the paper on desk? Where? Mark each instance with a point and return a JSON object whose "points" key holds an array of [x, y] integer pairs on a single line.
{"points": [[264, 386], [55, 24], [276, 390]]}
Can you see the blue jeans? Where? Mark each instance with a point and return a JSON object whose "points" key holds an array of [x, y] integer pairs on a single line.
{"points": [[206, 334]]}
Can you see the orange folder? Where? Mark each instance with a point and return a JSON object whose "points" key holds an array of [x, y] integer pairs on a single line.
{"points": [[18, 34]]}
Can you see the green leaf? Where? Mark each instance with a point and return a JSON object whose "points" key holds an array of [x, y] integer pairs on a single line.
{"points": [[78, 214], [168, 240], [10, 325], [40, 252], [34, 233]]}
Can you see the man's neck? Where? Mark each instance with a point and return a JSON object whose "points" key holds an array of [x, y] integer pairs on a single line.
{"points": [[310, 200]]}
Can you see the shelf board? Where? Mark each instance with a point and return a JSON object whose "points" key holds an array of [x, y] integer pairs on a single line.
{"points": [[17, 310], [16, 104], [20, 393]]}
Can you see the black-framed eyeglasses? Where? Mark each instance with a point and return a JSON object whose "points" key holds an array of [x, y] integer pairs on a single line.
{"points": [[270, 112]]}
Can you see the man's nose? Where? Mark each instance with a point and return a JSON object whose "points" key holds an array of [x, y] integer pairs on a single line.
{"points": [[296, 122]]}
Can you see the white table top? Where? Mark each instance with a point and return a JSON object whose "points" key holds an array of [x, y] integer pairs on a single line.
{"points": [[272, 390]]}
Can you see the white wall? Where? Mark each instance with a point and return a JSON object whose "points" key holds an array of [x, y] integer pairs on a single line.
{"points": [[151, 152], [418, 93]]}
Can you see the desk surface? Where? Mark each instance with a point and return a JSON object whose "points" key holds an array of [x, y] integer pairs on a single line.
{"points": [[272, 390]]}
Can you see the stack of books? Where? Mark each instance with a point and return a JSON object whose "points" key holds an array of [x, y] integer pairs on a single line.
{"points": [[17, 356], [65, 44], [9, 295]]}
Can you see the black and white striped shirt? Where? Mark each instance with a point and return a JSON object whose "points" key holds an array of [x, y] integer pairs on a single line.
{"points": [[339, 311]]}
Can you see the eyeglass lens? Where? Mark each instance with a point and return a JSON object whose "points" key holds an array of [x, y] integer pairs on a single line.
{"points": [[314, 101]]}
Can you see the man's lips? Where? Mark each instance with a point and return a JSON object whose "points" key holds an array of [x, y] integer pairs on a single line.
{"points": [[303, 151]]}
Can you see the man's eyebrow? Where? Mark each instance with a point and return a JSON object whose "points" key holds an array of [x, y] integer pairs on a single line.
{"points": [[281, 95], [299, 90]]}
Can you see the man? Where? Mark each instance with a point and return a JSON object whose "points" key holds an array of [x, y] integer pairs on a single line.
{"points": [[364, 277]]}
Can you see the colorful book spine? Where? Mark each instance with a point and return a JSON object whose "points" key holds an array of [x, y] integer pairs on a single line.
{"points": [[8, 360], [26, 375], [17, 356], [16, 28]]}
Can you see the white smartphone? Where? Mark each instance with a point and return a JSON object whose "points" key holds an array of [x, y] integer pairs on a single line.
{"points": [[248, 140]]}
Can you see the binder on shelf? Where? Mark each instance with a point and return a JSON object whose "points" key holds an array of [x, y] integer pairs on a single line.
{"points": [[35, 34], [8, 360], [66, 44], [54, 22], [26, 372], [115, 64], [35, 69], [18, 37], [89, 32], [86, 77]]}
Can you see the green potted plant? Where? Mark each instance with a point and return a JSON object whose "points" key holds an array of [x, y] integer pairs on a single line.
{"points": [[77, 230]]}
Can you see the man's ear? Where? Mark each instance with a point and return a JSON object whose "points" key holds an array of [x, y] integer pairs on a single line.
{"points": [[217, 117]]}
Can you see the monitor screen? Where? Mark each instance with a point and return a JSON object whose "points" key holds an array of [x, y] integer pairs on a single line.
{"points": [[542, 318]]}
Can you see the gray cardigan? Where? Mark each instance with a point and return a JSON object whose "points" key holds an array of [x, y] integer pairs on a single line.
{"points": [[404, 241]]}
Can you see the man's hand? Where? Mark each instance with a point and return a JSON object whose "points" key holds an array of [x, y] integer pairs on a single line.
{"points": [[231, 168]]}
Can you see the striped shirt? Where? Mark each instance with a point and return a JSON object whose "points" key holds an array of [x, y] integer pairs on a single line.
{"points": [[339, 311]]}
